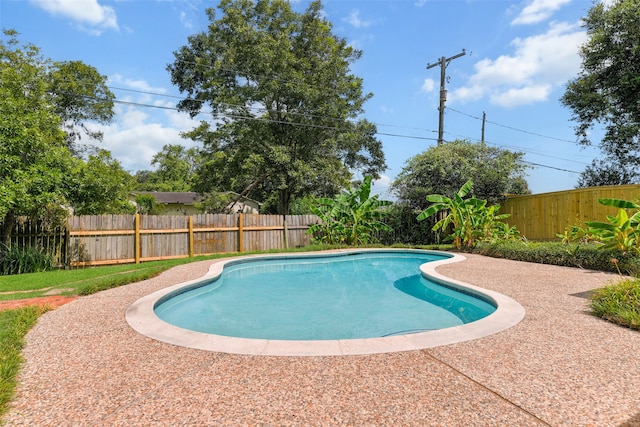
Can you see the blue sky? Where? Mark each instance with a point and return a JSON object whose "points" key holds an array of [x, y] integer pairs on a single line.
{"points": [[519, 57]]}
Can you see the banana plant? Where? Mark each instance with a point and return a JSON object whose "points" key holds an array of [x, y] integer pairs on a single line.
{"points": [[470, 219], [621, 232], [351, 217]]}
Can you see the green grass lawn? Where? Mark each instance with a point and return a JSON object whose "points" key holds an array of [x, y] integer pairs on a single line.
{"points": [[14, 325], [619, 303]]}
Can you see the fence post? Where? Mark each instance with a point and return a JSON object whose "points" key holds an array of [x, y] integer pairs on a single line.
{"points": [[66, 247], [284, 231], [190, 236], [137, 241], [240, 224]]}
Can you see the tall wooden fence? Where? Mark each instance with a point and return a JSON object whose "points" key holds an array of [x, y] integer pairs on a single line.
{"points": [[50, 238], [541, 216], [116, 239]]}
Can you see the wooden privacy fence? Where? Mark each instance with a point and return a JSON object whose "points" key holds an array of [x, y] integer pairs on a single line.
{"points": [[50, 238], [114, 239], [541, 216]]}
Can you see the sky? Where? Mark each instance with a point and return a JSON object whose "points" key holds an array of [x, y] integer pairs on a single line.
{"points": [[519, 56]]}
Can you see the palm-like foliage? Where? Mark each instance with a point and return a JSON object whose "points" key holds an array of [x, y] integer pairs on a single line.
{"points": [[351, 218], [622, 232], [470, 219]]}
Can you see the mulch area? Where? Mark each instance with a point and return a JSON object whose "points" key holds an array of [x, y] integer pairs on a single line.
{"points": [[53, 301]]}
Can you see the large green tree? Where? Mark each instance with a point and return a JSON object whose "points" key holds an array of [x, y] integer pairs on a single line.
{"points": [[285, 106], [37, 165], [607, 90], [100, 185], [81, 98], [175, 169], [445, 168]]}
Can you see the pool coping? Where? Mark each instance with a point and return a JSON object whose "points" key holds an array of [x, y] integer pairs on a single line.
{"points": [[142, 318]]}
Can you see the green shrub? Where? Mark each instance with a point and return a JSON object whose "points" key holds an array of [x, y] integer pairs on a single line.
{"points": [[588, 256], [619, 303], [19, 260], [354, 217], [469, 221]]}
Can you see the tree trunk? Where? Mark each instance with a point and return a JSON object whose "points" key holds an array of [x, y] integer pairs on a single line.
{"points": [[6, 228], [284, 201]]}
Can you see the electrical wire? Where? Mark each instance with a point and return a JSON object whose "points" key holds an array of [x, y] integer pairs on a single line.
{"points": [[310, 125], [511, 127]]}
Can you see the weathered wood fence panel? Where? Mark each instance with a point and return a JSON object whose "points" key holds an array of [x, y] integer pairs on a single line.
{"points": [[101, 239], [296, 230], [541, 216], [50, 238], [163, 237], [263, 232], [215, 233], [112, 239]]}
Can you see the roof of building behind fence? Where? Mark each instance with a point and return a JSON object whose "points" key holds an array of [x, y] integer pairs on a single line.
{"points": [[173, 197]]}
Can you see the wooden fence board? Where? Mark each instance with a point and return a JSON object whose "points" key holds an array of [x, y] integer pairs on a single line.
{"points": [[541, 216], [105, 239]]}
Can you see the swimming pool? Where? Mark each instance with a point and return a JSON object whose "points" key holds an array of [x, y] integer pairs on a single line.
{"points": [[323, 297], [417, 283]]}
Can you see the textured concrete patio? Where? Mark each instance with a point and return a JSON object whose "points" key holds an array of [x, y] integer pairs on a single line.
{"points": [[85, 366]]}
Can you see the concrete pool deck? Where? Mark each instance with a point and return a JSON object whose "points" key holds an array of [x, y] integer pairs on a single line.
{"points": [[85, 366]]}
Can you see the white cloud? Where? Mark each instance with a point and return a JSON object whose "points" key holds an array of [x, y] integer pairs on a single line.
{"points": [[355, 20], [139, 131], [135, 137], [428, 85], [186, 21], [381, 186], [537, 11], [521, 96], [83, 12], [538, 64], [140, 85]]}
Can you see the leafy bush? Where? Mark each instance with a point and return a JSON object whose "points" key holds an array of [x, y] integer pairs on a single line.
{"points": [[588, 256], [352, 218], [620, 232], [17, 260], [471, 221], [619, 303]]}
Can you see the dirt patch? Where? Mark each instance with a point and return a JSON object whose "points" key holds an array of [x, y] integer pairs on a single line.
{"points": [[50, 301]]}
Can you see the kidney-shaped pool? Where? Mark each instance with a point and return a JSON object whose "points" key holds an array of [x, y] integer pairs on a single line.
{"points": [[359, 301]]}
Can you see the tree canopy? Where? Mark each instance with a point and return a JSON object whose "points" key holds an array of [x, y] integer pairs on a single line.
{"points": [[37, 166], [79, 95], [175, 169], [445, 168], [285, 107], [607, 89], [100, 185]]}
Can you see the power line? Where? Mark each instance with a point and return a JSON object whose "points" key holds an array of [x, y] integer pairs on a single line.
{"points": [[511, 127], [308, 125], [267, 120], [551, 167], [523, 149], [329, 128]]}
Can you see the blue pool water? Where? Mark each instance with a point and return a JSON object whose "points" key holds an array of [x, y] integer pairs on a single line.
{"points": [[357, 295]]}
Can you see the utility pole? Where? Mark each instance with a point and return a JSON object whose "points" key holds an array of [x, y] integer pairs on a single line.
{"points": [[484, 119], [443, 62]]}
